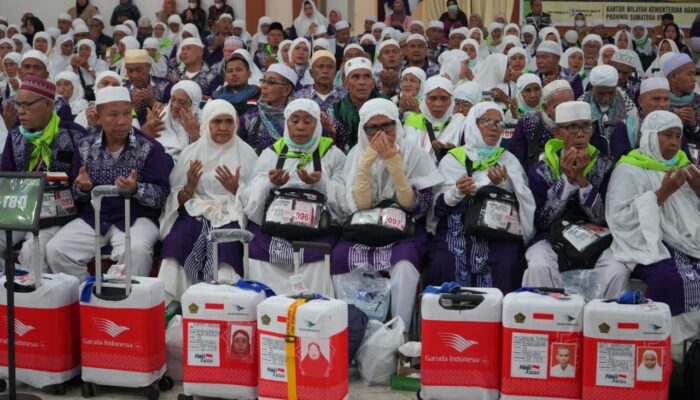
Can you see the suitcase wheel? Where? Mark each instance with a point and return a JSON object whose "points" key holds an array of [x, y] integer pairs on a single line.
{"points": [[3, 385], [183, 396], [87, 389], [151, 392], [56, 390], [165, 383]]}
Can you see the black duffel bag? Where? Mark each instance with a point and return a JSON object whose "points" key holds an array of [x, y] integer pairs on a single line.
{"points": [[578, 243], [380, 226]]}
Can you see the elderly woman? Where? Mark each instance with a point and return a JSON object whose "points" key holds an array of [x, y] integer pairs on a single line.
{"points": [[528, 98], [205, 188], [471, 47], [299, 55], [573, 61], [289, 164], [86, 64], [653, 211], [435, 128], [60, 59], [68, 86], [11, 80], [480, 164], [382, 167], [412, 87]]}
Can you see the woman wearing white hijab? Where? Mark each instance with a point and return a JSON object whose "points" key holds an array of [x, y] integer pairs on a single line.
{"points": [[648, 369], [159, 64], [309, 20], [454, 65], [411, 85], [384, 166], [623, 40], [43, 42], [473, 50], [640, 39], [11, 81], [653, 211], [60, 57], [605, 53], [283, 52], [206, 185], [573, 60], [529, 33], [484, 49], [68, 86], [175, 137], [666, 46], [21, 44], [495, 38], [174, 35], [245, 36], [436, 115], [87, 51], [165, 42], [467, 259], [271, 257], [544, 32], [127, 43], [299, 54], [528, 98], [260, 36]]}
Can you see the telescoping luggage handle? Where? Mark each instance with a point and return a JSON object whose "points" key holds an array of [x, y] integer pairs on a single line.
{"points": [[297, 280], [455, 297], [98, 193], [226, 236]]}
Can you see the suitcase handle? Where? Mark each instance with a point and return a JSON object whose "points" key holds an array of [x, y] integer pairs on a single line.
{"points": [[111, 293], [218, 236], [460, 301], [551, 290], [324, 247], [98, 192]]}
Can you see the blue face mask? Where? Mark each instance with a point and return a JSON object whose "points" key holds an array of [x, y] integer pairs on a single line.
{"points": [[472, 64], [671, 162], [301, 147], [487, 152]]}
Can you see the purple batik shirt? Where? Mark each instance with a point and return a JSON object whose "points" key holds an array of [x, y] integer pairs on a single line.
{"points": [[140, 153]]}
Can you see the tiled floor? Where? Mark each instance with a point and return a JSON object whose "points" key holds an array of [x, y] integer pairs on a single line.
{"points": [[358, 391]]}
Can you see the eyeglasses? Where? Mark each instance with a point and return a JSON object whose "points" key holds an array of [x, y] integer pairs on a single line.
{"points": [[266, 81], [575, 129], [371, 130], [490, 123], [26, 106]]}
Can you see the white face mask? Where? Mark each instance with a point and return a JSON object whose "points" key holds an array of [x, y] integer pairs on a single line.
{"points": [[193, 5], [218, 5], [580, 23]]}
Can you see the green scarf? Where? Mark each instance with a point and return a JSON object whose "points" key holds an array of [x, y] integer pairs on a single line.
{"points": [[42, 142], [304, 158], [551, 156], [165, 43], [349, 116], [418, 121], [636, 158], [461, 155]]}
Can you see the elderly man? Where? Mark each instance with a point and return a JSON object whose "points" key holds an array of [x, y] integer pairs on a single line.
{"points": [[43, 142], [102, 41], [323, 92], [390, 58], [369, 21], [123, 156], [570, 184], [623, 61], [548, 68], [609, 103], [417, 55], [342, 39], [262, 125], [223, 28], [680, 72], [231, 44], [591, 45], [194, 68], [34, 63], [64, 24], [345, 114], [145, 89], [435, 34]]}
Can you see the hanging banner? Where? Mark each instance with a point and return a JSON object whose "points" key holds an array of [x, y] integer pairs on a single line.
{"points": [[648, 12]]}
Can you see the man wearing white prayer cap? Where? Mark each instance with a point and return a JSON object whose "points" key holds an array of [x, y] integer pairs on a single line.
{"points": [[390, 57], [624, 62], [571, 175], [417, 27], [434, 34], [193, 67], [370, 20], [654, 95], [342, 39], [609, 104], [680, 72], [64, 23], [263, 124], [123, 156], [417, 55], [548, 69], [145, 89]]}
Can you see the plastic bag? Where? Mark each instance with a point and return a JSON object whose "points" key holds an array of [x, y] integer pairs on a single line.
{"points": [[377, 356], [173, 347], [584, 282], [368, 291]]}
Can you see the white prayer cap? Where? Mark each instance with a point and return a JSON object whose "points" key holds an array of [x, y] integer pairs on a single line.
{"points": [[549, 47], [81, 28], [323, 43], [369, 37], [353, 46], [650, 84], [52, 31], [436, 25], [571, 36], [136, 56], [77, 22], [673, 63], [239, 23], [438, 82], [416, 36], [592, 37], [64, 17], [174, 19], [225, 15], [286, 72], [107, 74], [342, 24], [123, 29], [388, 42], [192, 41], [418, 22], [130, 43], [144, 22], [604, 75], [469, 91], [553, 87], [151, 43], [378, 25], [112, 94], [493, 26], [572, 111], [36, 54], [460, 31], [355, 64], [99, 18], [624, 56], [403, 36], [371, 18], [233, 40]]}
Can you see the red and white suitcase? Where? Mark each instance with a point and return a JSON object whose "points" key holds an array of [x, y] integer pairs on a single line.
{"points": [[122, 323], [542, 345], [47, 345], [626, 351], [303, 348], [461, 344]]}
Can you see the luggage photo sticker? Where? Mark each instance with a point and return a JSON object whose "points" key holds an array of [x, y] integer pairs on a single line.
{"points": [[649, 364], [239, 342], [563, 362], [315, 357]]}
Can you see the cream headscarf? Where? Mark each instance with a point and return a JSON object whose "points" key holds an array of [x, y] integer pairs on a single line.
{"points": [[259, 36]]}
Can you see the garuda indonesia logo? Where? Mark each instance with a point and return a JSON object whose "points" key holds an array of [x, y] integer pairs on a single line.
{"points": [[109, 327], [456, 342]]}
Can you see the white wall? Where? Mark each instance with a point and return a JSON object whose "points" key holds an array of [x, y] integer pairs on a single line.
{"points": [[48, 10]]}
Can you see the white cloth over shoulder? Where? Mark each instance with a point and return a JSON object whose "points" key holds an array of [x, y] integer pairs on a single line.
{"points": [[175, 138], [492, 71]]}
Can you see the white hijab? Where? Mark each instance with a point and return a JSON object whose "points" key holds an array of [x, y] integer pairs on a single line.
{"points": [[22, 39], [492, 71], [484, 49], [312, 108], [175, 138], [431, 84], [57, 61], [45, 36], [640, 227], [302, 23], [259, 36], [655, 69], [175, 36], [649, 374], [529, 47], [602, 50], [418, 167], [564, 60], [451, 64], [77, 100], [210, 199], [418, 73], [283, 43]]}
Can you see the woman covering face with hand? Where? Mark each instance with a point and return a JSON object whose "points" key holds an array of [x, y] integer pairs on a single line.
{"points": [[205, 187]]}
